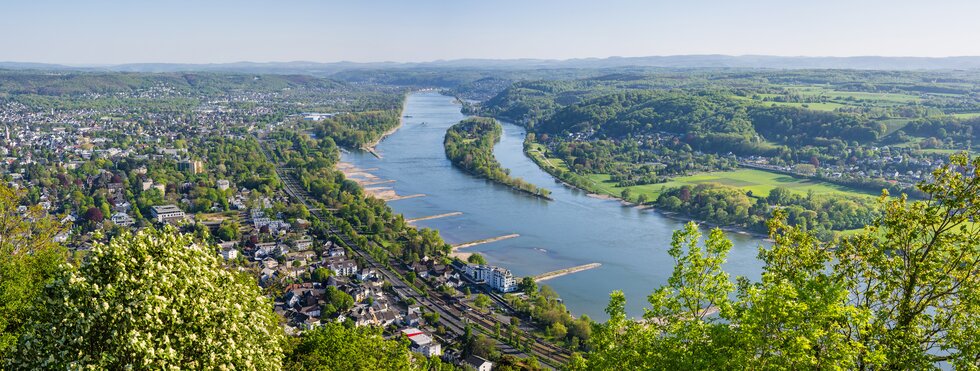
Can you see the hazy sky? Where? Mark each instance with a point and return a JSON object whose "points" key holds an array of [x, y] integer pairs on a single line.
{"points": [[203, 31]]}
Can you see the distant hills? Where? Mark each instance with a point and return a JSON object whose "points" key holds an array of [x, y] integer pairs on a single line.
{"points": [[677, 61]]}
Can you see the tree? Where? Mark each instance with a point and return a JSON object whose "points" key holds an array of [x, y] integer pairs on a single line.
{"points": [[154, 299], [228, 231], [28, 259], [482, 346], [476, 258], [321, 274], [779, 196], [558, 330], [680, 331], [94, 215], [797, 316], [902, 294], [482, 301], [340, 301], [528, 286], [916, 271]]}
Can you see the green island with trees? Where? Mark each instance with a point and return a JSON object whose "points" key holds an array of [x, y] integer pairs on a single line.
{"points": [[469, 145]]}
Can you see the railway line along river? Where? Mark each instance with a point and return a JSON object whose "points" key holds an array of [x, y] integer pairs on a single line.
{"points": [[573, 230]]}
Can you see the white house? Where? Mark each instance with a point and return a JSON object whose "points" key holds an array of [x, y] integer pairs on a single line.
{"points": [[502, 280], [229, 253], [479, 273], [478, 363], [422, 343], [164, 213]]}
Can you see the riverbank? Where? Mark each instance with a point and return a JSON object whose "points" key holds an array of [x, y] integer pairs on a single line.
{"points": [[370, 146], [572, 231]]}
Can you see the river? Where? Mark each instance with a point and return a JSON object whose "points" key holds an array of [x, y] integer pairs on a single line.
{"points": [[571, 230]]}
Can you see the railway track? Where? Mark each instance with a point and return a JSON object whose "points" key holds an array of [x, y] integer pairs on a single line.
{"points": [[453, 320]]}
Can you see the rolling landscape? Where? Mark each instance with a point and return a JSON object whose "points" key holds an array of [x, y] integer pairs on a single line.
{"points": [[509, 186]]}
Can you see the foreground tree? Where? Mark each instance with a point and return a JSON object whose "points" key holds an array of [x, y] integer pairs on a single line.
{"points": [[917, 272], [29, 258], [151, 300], [797, 316], [679, 330], [902, 294], [334, 346]]}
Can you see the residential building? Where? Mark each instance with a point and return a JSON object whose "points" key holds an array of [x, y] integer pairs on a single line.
{"points": [[229, 253], [478, 363], [195, 167], [121, 219], [502, 280], [341, 266], [478, 273], [166, 213], [422, 343]]}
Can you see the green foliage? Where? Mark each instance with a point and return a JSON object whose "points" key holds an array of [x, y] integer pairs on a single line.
{"points": [[726, 205], [28, 260], [336, 301], [482, 301], [334, 346], [637, 112], [360, 128], [528, 285], [902, 294], [356, 213], [916, 270], [476, 258], [228, 231], [154, 299]]}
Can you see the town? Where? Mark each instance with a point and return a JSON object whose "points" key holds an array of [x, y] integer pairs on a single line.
{"points": [[200, 169]]}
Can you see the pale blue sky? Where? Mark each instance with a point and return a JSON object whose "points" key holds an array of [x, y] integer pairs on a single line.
{"points": [[202, 31]]}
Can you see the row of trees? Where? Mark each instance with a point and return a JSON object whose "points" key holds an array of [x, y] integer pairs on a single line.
{"points": [[724, 205], [542, 304]]}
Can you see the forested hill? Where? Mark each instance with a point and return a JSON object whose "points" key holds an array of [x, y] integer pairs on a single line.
{"points": [[721, 120], [622, 114], [74, 83]]}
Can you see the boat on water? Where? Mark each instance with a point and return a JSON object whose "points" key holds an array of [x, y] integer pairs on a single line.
{"points": [[407, 116]]}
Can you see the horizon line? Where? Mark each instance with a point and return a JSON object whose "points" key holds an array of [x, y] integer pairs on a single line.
{"points": [[113, 64]]}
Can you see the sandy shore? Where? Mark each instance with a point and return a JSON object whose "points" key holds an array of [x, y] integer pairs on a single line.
{"points": [[460, 255], [597, 195], [368, 182]]}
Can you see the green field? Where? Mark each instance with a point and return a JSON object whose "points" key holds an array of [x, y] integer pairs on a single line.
{"points": [[854, 96], [760, 182], [537, 152], [837, 98], [968, 115]]}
